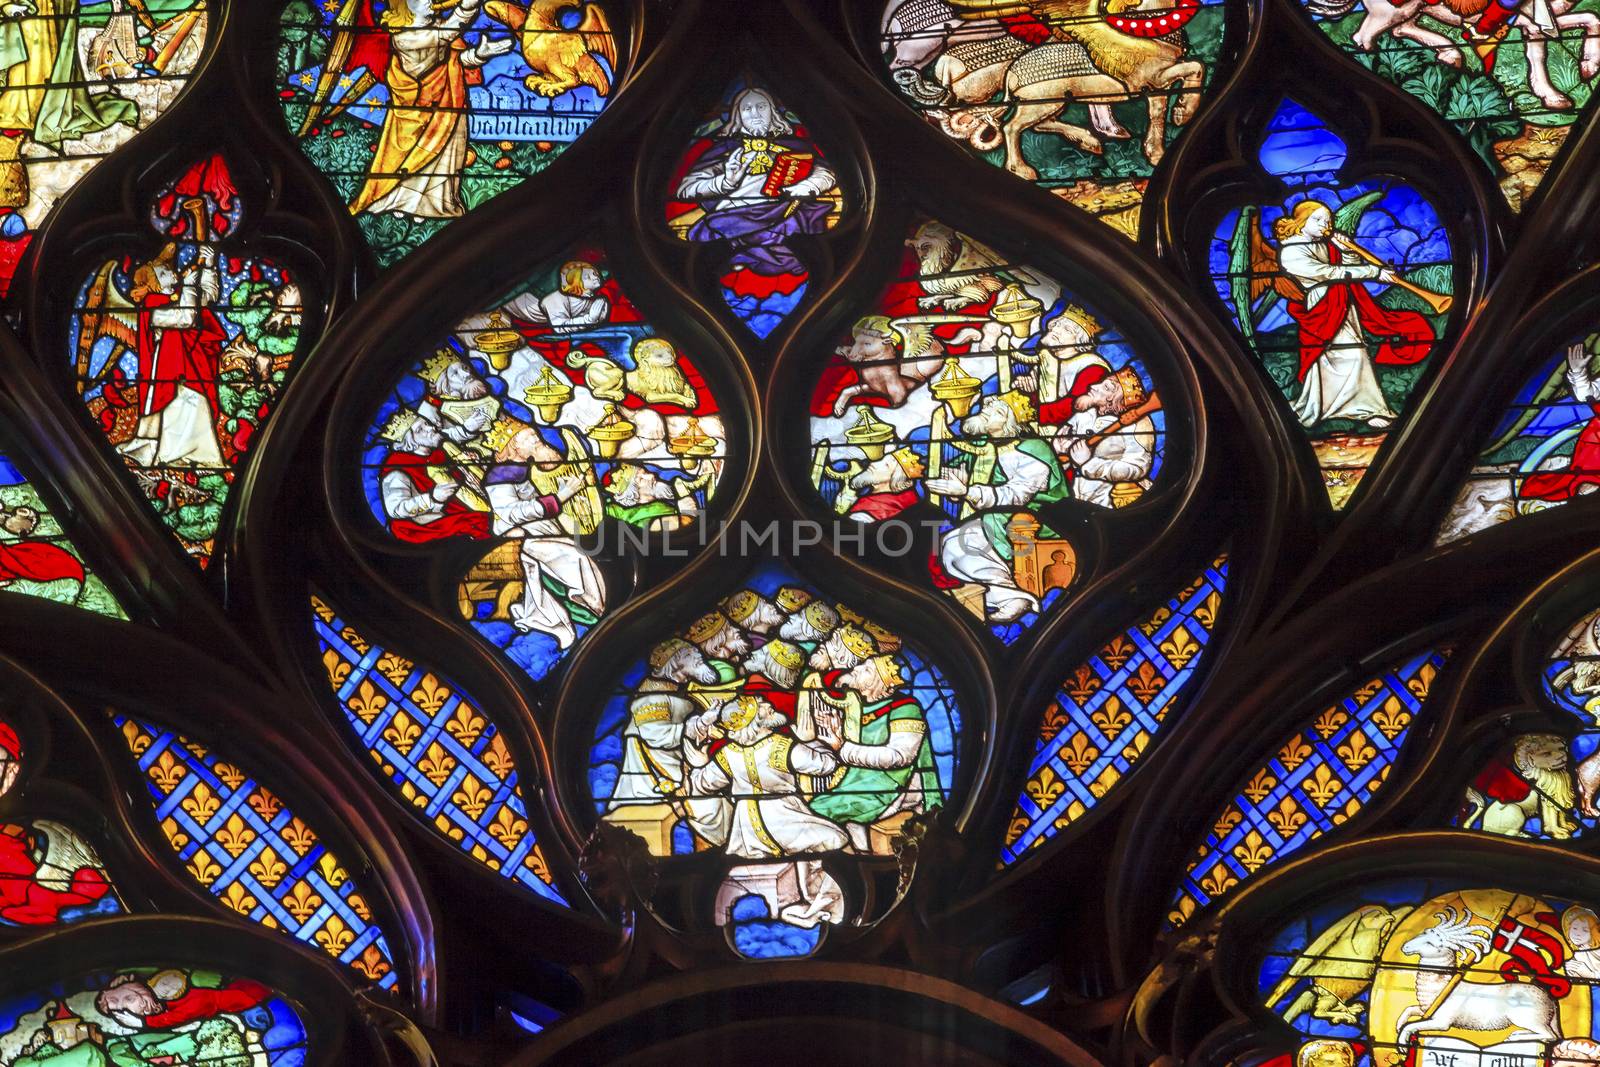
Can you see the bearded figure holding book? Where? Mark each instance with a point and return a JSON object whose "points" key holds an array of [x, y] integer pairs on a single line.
{"points": [[758, 184]]}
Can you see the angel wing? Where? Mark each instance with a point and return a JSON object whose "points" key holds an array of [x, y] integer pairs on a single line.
{"points": [[65, 853], [106, 313], [1348, 949], [1255, 278]]}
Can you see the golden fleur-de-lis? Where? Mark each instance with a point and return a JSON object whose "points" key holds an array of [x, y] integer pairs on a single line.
{"points": [[138, 740], [1046, 787], [324, 612], [1294, 752], [1155, 621], [301, 900], [1219, 881], [506, 827], [167, 771], [335, 936], [1260, 785], [1077, 754], [1055, 720], [372, 964], [264, 803], [1367, 691], [1117, 651], [1111, 718], [367, 702], [338, 669], [267, 868], [1286, 818], [1378, 779], [1329, 720], [1206, 613], [1180, 647], [1322, 786], [402, 732], [535, 862], [1392, 718], [1016, 828], [1253, 851], [354, 640], [231, 776], [436, 764], [299, 836], [1231, 816], [442, 823], [473, 797], [1083, 684], [466, 725], [394, 667], [497, 757], [237, 897], [332, 873], [175, 835], [1146, 682], [1419, 684], [1356, 751], [430, 694], [200, 751], [201, 803], [203, 868], [235, 835], [358, 904], [1180, 914]]}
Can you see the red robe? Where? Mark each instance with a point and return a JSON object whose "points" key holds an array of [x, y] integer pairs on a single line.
{"points": [[458, 520], [168, 356], [1405, 336], [38, 561], [24, 902], [1584, 469], [238, 995]]}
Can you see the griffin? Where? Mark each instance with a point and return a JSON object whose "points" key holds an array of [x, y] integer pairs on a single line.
{"points": [[561, 58]]}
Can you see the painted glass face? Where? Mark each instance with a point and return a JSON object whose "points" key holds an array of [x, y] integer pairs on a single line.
{"points": [[181, 350], [983, 398], [419, 113], [778, 729], [532, 425], [81, 80], [152, 1015], [1080, 97], [1341, 286], [1431, 970]]}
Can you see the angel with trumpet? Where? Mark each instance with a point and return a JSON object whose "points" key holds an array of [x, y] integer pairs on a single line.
{"points": [[1322, 274]]}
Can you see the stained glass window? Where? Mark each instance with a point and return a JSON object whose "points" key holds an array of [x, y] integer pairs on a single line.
{"points": [[938, 531]]}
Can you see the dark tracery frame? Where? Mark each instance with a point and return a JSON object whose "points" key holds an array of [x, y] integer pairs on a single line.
{"points": [[1059, 957]]}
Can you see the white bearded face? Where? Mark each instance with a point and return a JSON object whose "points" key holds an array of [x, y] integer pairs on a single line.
{"points": [[689, 665]]}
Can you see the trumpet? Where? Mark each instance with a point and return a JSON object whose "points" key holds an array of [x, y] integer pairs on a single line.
{"points": [[1440, 302]]}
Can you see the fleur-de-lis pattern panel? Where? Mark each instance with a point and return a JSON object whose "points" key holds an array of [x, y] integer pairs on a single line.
{"points": [[37, 558], [419, 114], [438, 750], [237, 840], [181, 348], [1545, 451], [1109, 711], [1080, 97], [1317, 779]]}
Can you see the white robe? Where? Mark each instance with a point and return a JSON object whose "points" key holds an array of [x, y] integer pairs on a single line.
{"points": [[1124, 456], [657, 741], [546, 548], [1341, 384], [769, 817], [966, 552]]}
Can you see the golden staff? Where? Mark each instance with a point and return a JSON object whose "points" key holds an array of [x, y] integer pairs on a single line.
{"points": [[1438, 301]]}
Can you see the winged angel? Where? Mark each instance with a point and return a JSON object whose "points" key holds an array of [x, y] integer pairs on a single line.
{"points": [[1321, 274]]}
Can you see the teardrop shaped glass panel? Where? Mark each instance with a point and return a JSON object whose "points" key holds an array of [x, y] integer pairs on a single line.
{"points": [[36, 556]]}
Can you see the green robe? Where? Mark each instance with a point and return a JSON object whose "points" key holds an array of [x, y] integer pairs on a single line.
{"points": [[65, 110], [863, 793], [641, 515], [996, 523]]}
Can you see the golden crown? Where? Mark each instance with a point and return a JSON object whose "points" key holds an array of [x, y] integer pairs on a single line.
{"points": [[666, 650], [889, 670], [1019, 403], [741, 712], [740, 606], [501, 432], [909, 462], [1132, 388], [785, 655], [706, 626], [857, 640], [819, 615], [1079, 315], [435, 364], [792, 598], [398, 424]]}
